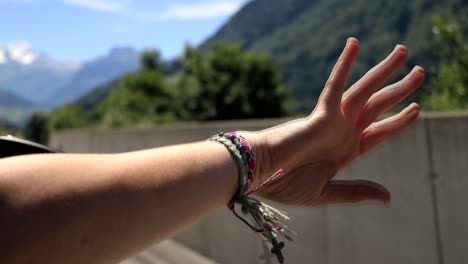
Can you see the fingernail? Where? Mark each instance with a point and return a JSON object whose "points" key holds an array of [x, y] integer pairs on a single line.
{"points": [[350, 39], [418, 68], [413, 107], [400, 47]]}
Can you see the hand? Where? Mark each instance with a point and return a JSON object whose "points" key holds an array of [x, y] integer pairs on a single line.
{"points": [[342, 126]]}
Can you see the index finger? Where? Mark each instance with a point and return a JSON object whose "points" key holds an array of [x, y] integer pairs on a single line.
{"points": [[334, 88]]}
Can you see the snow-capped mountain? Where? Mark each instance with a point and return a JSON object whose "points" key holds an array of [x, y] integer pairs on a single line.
{"points": [[22, 54], [36, 77], [17, 52], [31, 74]]}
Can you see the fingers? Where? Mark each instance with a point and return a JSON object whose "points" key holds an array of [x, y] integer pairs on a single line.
{"points": [[356, 97], [380, 131], [353, 191], [331, 95], [388, 97]]}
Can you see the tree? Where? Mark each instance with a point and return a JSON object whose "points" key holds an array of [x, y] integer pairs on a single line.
{"points": [[140, 97], [229, 84], [37, 128], [450, 85], [68, 117], [151, 60], [226, 84]]}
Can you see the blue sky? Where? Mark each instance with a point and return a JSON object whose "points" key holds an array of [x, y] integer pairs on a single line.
{"points": [[83, 29]]}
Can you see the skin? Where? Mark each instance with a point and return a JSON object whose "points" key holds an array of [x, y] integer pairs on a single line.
{"points": [[88, 208], [341, 128]]}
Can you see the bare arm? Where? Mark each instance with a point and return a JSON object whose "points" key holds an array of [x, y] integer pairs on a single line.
{"points": [[102, 208]]}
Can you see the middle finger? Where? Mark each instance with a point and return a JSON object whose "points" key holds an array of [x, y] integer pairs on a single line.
{"points": [[356, 96], [389, 96]]}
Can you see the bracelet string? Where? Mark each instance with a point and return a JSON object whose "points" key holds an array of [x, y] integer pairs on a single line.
{"points": [[266, 220]]}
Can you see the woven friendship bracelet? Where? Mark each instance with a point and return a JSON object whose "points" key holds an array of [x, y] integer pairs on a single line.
{"points": [[266, 219], [244, 156]]}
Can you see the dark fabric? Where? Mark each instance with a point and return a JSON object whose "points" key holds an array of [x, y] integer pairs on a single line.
{"points": [[11, 146]]}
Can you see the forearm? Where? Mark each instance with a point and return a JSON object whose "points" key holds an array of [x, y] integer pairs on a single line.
{"points": [[101, 208]]}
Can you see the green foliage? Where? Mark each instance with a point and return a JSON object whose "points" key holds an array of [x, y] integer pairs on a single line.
{"points": [[37, 128], [305, 37], [229, 84], [15, 111], [151, 60], [90, 100], [5, 130], [140, 97], [16, 116], [68, 117], [450, 86]]}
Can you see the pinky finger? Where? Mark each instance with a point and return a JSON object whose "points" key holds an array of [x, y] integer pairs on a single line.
{"points": [[382, 130]]}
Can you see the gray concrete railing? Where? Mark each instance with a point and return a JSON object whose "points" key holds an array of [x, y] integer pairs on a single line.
{"points": [[425, 169]]}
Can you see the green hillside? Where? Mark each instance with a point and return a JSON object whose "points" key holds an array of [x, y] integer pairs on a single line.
{"points": [[14, 110], [90, 100], [8, 99], [305, 37]]}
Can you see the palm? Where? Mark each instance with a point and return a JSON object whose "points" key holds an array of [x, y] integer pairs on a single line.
{"points": [[343, 126]]}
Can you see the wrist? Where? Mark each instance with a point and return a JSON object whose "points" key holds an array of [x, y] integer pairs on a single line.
{"points": [[249, 150], [258, 142]]}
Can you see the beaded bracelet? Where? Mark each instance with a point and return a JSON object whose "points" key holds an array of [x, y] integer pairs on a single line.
{"points": [[266, 219]]}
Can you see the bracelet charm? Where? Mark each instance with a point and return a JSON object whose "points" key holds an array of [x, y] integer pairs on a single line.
{"points": [[266, 219]]}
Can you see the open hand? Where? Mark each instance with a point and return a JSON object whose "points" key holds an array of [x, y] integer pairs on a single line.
{"points": [[342, 126]]}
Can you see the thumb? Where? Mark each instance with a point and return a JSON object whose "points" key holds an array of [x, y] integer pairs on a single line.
{"points": [[354, 191]]}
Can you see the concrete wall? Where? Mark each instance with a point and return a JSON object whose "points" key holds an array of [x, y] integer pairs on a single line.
{"points": [[424, 168]]}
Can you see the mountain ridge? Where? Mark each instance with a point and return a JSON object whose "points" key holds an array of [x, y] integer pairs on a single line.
{"points": [[34, 76], [103, 69], [14, 110], [31, 81], [310, 38], [31, 74], [8, 99]]}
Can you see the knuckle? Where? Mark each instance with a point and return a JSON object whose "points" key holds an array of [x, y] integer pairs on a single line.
{"points": [[331, 83]]}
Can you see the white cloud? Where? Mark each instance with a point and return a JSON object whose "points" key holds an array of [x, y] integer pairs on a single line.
{"points": [[175, 10], [201, 10], [101, 5], [172, 11], [3, 57]]}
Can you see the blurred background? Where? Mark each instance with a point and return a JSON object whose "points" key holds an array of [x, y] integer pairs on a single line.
{"points": [[109, 76]]}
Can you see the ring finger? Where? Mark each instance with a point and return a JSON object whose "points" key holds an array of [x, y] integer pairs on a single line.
{"points": [[389, 96]]}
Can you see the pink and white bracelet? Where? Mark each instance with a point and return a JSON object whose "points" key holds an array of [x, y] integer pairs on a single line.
{"points": [[266, 219]]}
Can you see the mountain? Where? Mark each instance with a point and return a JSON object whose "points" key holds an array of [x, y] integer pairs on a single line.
{"points": [[14, 110], [8, 99], [43, 81], [95, 96], [305, 37], [30, 74], [31, 80], [97, 72]]}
